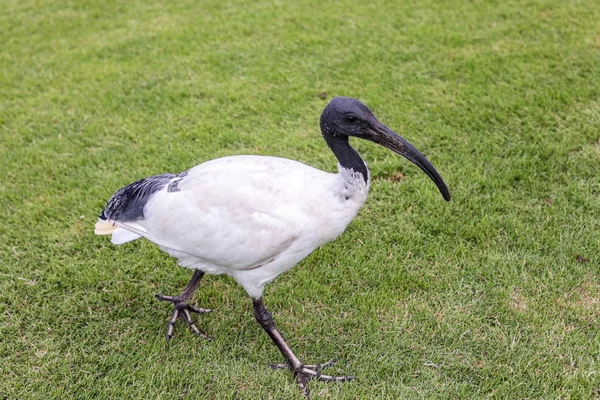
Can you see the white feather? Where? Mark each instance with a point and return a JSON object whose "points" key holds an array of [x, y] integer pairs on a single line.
{"points": [[120, 236]]}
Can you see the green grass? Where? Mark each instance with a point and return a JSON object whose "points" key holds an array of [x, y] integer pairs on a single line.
{"points": [[494, 295]]}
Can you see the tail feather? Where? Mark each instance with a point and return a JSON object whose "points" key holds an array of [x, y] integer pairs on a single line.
{"points": [[104, 227], [119, 234]]}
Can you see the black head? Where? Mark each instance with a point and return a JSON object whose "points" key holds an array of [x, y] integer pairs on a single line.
{"points": [[344, 117]]}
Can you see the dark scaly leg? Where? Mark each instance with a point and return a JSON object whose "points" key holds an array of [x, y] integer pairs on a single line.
{"points": [[181, 309], [303, 373]]}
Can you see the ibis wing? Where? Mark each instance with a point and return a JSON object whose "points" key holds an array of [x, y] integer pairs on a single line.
{"points": [[224, 219]]}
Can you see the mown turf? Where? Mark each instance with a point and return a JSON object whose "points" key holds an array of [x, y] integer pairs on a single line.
{"points": [[494, 295]]}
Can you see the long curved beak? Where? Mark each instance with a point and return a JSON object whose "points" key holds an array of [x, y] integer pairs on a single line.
{"points": [[387, 138]]}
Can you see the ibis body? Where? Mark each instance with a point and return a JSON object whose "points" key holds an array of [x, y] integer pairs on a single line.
{"points": [[254, 217], [250, 217]]}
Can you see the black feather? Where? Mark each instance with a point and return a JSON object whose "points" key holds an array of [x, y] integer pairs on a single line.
{"points": [[127, 204]]}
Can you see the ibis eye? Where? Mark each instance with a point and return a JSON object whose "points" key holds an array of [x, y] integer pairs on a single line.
{"points": [[351, 118]]}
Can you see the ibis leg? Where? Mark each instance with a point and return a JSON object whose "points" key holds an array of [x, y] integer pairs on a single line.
{"points": [[302, 372], [183, 310]]}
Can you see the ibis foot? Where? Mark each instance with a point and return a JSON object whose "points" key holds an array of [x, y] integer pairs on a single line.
{"points": [[183, 310], [305, 373]]}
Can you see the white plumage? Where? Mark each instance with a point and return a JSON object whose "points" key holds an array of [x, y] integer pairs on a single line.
{"points": [[250, 217]]}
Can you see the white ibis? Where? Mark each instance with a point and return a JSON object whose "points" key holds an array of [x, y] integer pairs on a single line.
{"points": [[254, 217]]}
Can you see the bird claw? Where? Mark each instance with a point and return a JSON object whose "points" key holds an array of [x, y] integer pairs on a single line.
{"points": [[183, 310], [308, 372]]}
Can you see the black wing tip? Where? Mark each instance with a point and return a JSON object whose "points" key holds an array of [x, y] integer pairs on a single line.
{"points": [[127, 204]]}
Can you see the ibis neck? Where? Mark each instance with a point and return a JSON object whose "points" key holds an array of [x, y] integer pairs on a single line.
{"points": [[346, 155]]}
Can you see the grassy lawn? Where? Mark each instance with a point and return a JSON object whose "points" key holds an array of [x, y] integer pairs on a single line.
{"points": [[493, 295]]}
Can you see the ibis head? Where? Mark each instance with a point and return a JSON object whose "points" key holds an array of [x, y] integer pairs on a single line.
{"points": [[345, 117]]}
